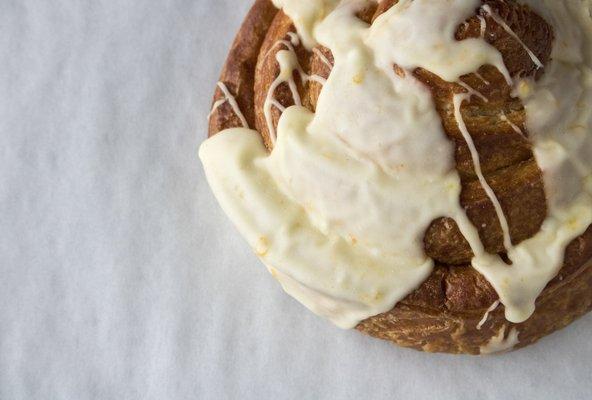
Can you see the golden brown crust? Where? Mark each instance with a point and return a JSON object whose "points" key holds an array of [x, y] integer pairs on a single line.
{"points": [[443, 313], [452, 331]]}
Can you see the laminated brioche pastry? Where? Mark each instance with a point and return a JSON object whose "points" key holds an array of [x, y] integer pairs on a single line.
{"points": [[419, 170]]}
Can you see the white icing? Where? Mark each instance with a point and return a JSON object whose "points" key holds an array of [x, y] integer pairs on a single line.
{"points": [[503, 24], [294, 38], [478, 75], [457, 101], [500, 343], [288, 63], [483, 25], [515, 127], [230, 99], [322, 57], [424, 32], [473, 92], [306, 15], [486, 315], [336, 279], [339, 209], [559, 120], [215, 106]]}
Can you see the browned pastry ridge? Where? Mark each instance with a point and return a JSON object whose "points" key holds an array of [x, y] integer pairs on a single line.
{"points": [[442, 315]]}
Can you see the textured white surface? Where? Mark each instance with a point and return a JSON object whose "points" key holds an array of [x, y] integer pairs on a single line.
{"points": [[120, 278]]}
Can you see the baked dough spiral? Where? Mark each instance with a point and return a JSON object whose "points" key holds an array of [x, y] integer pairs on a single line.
{"points": [[456, 310]]}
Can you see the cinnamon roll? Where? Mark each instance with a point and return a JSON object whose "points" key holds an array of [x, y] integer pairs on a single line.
{"points": [[419, 170]]}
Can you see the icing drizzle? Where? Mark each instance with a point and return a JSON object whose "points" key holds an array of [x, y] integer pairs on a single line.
{"points": [[500, 343], [515, 127], [503, 24], [486, 315], [230, 99], [338, 210], [288, 63], [322, 57], [457, 100]]}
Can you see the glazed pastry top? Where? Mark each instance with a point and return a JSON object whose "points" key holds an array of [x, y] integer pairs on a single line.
{"points": [[339, 210]]}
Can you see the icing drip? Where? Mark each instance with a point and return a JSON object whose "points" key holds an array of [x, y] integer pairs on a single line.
{"points": [[515, 127], [322, 57], [321, 275], [559, 122], [483, 25], [288, 62], [432, 47], [458, 100], [339, 209], [215, 106], [486, 315], [473, 92], [482, 78], [309, 14], [294, 38], [228, 98], [501, 344], [503, 24]]}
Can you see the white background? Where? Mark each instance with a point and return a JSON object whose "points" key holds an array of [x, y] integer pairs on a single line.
{"points": [[120, 278]]}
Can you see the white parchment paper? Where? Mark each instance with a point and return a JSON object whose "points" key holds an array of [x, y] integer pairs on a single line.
{"points": [[120, 278]]}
